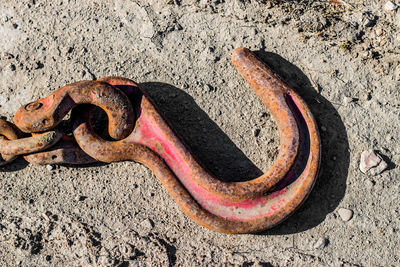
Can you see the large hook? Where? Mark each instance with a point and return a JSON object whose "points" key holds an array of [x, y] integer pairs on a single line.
{"points": [[230, 207]]}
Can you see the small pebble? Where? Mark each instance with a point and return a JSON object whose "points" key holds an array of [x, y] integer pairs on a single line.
{"points": [[379, 169], [321, 243], [369, 22], [397, 73], [8, 55], [39, 65], [347, 100], [389, 6], [345, 214], [147, 223], [208, 87], [382, 42], [379, 32], [50, 167], [372, 163], [256, 132], [81, 198], [146, 227], [369, 184], [124, 249], [218, 112], [368, 160]]}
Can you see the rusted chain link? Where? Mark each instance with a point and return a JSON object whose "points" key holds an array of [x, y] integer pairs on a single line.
{"points": [[11, 145], [48, 112], [230, 207]]}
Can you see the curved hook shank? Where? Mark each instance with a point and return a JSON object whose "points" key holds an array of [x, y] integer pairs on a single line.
{"points": [[153, 130], [46, 113]]}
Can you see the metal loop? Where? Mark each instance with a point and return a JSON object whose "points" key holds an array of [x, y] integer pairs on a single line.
{"points": [[46, 113], [11, 145]]}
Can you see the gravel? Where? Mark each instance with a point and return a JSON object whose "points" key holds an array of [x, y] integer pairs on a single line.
{"points": [[119, 214]]}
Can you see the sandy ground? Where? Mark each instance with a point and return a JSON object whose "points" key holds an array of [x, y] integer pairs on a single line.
{"points": [[344, 61]]}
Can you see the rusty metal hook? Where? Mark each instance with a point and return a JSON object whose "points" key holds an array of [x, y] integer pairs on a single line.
{"points": [[237, 207], [230, 207]]}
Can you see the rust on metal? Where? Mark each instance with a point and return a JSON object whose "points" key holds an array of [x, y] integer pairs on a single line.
{"points": [[7, 132], [66, 151], [46, 113], [142, 134], [11, 145], [226, 207]]}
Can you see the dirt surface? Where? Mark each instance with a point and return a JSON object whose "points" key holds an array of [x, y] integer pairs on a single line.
{"points": [[344, 61]]}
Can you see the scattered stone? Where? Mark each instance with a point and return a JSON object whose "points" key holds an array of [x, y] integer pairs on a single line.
{"points": [[397, 72], [321, 243], [369, 23], [368, 20], [389, 6], [379, 32], [345, 214], [256, 132], [382, 42], [82, 198], [5, 18], [145, 227], [39, 65], [347, 99], [396, 21], [208, 87], [12, 67], [8, 55], [218, 112], [372, 163], [50, 167], [147, 223], [369, 160], [370, 184], [380, 168]]}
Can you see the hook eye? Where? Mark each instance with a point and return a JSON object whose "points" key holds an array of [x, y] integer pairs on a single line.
{"points": [[33, 106]]}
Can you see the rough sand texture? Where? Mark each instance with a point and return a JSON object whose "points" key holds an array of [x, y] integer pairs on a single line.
{"points": [[344, 61]]}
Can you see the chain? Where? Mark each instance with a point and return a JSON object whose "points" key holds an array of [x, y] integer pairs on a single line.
{"points": [[47, 143]]}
